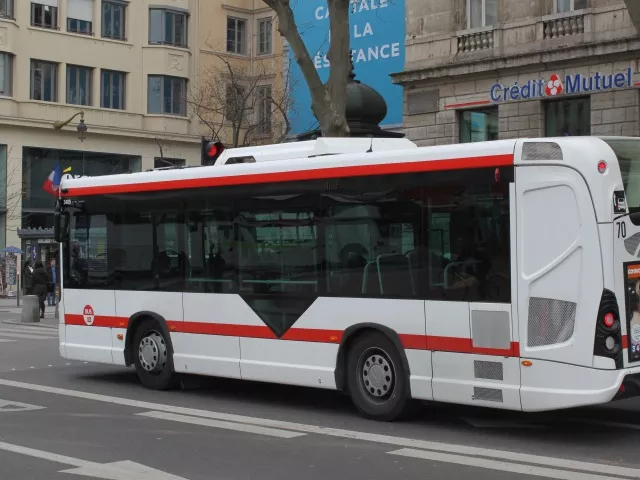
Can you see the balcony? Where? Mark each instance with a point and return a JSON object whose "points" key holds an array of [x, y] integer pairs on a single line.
{"points": [[599, 30]]}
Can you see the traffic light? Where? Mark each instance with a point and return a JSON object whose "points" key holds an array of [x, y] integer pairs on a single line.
{"points": [[211, 151]]}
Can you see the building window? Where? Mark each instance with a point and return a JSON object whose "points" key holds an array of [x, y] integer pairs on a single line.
{"points": [[167, 27], [6, 74], [567, 118], [113, 89], [44, 81], [78, 85], [113, 19], [163, 162], [45, 15], [236, 96], [564, 6], [167, 95], [6, 9], [264, 36], [264, 110], [80, 16], [478, 125], [236, 35], [482, 13]]}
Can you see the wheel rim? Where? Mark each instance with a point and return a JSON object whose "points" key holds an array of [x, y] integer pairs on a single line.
{"points": [[376, 375], [152, 353]]}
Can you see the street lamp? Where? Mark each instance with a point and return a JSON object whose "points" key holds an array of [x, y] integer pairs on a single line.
{"points": [[82, 127]]}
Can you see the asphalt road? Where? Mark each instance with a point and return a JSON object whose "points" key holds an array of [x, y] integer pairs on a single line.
{"points": [[62, 420]]}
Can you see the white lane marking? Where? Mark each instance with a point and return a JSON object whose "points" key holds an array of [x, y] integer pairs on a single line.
{"points": [[241, 427], [340, 433], [26, 336], [110, 471], [26, 328], [10, 406], [497, 465], [52, 457], [6, 340]]}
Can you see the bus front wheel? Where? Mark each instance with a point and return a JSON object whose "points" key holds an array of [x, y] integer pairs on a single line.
{"points": [[152, 357], [377, 382]]}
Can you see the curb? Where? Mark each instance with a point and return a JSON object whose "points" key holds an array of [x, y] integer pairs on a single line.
{"points": [[31, 324]]}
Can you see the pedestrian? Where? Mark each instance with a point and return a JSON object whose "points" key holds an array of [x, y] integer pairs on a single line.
{"points": [[40, 284], [27, 278], [53, 277]]}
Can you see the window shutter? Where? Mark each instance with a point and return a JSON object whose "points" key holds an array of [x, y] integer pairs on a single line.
{"points": [[80, 9]]}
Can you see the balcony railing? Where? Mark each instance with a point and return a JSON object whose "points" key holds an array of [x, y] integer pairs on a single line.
{"points": [[563, 27], [475, 41]]}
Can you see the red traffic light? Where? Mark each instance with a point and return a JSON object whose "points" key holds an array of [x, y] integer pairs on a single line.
{"points": [[214, 149]]}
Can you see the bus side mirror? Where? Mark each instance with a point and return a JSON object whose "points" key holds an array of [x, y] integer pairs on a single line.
{"points": [[61, 227]]}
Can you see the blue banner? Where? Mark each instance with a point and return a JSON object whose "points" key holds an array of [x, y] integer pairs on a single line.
{"points": [[377, 46]]}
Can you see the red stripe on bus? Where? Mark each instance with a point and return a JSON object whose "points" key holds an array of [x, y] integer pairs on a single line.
{"points": [[313, 335], [625, 342], [221, 329], [409, 341], [290, 176], [98, 321]]}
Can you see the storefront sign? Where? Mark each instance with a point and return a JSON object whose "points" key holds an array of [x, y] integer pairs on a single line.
{"points": [[553, 86]]}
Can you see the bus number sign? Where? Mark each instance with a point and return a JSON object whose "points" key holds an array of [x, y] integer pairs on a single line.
{"points": [[88, 315]]}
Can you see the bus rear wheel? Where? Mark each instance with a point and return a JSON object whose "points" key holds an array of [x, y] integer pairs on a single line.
{"points": [[377, 382], [152, 357]]}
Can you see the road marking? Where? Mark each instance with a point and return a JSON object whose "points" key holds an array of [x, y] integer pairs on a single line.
{"points": [[10, 406], [110, 471], [26, 336], [6, 340], [497, 465], [27, 328], [340, 433], [241, 427]]}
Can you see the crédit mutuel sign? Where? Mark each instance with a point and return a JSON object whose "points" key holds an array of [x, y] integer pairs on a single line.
{"points": [[554, 85]]}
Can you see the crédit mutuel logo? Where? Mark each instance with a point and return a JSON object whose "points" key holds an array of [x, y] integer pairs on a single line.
{"points": [[554, 85]]}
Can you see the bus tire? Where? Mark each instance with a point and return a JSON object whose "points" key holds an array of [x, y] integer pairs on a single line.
{"points": [[376, 380], [152, 357]]}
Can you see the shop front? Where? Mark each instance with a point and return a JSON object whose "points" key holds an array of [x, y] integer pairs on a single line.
{"points": [[582, 97], [36, 231]]}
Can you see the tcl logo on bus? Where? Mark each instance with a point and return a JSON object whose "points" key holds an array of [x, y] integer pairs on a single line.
{"points": [[88, 315]]}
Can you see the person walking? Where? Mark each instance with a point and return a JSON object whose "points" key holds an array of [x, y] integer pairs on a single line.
{"points": [[27, 278], [53, 277], [40, 284]]}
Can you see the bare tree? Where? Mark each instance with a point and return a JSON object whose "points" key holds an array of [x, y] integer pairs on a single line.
{"points": [[246, 100], [328, 100], [164, 142]]}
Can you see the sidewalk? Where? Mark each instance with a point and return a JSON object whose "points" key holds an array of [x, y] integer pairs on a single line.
{"points": [[11, 313]]}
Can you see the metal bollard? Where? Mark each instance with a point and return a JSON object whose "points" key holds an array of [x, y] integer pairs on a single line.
{"points": [[30, 309]]}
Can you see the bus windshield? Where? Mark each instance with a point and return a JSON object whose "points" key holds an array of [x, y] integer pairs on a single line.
{"points": [[628, 152]]}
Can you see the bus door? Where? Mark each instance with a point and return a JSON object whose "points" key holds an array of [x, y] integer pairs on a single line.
{"points": [[559, 280]]}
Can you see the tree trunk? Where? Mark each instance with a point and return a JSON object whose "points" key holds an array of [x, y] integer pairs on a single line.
{"points": [[328, 101]]}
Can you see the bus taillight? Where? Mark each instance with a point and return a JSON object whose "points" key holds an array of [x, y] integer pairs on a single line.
{"points": [[608, 334], [609, 319]]}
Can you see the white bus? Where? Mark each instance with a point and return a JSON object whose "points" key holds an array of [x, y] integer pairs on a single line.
{"points": [[501, 274]]}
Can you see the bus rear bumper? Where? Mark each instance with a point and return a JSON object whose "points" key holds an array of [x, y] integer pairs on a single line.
{"points": [[630, 386], [547, 386]]}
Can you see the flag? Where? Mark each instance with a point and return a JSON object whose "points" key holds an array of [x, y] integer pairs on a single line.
{"points": [[52, 182]]}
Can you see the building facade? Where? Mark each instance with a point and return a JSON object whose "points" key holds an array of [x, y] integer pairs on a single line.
{"points": [[125, 66], [242, 92], [495, 69]]}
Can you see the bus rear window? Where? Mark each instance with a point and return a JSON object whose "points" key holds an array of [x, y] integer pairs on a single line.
{"points": [[628, 152]]}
